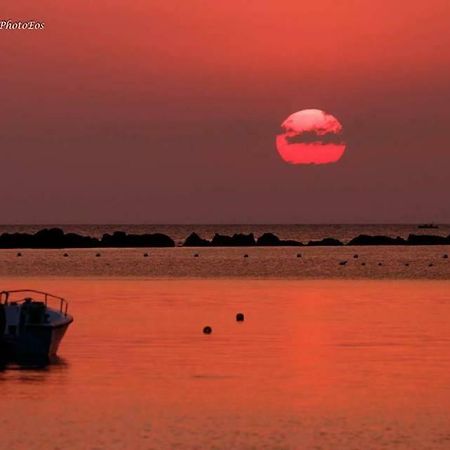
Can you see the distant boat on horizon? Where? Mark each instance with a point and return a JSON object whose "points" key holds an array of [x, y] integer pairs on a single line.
{"points": [[428, 226]]}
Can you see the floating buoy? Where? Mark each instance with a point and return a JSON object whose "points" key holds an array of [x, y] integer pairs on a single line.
{"points": [[145, 255], [343, 263], [445, 256], [299, 255], [407, 264], [19, 254], [98, 255], [246, 256], [363, 263], [355, 256], [207, 330], [196, 255], [380, 264], [66, 255], [239, 317], [430, 265]]}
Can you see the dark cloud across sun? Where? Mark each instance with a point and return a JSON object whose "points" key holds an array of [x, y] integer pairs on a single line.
{"points": [[321, 137]]}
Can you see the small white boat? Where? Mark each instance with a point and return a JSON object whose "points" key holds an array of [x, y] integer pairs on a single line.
{"points": [[29, 327]]}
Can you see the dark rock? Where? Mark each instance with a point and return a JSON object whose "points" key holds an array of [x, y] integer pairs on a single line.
{"points": [[73, 240], [49, 238], [364, 239], [207, 330], [272, 240], [117, 239], [46, 238], [121, 239], [56, 238], [325, 242], [424, 239], [290, 243], [194, 240], [16, 240], [220, 240], [239, 317], [268, 239], [237, 240]]}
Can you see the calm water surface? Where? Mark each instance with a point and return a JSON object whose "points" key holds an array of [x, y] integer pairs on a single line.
{"points": [[317, 364]]}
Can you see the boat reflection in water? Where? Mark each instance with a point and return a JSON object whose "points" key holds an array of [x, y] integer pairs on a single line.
{"points": [[31, 330]]}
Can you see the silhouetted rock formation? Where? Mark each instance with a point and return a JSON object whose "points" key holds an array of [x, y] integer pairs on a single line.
{"points": [[194, 240], [325, 242], [364, 239], [73, 240], [56, 238], [121, 239], [270, 240], [237, 240], [47, 238], [423, 239]]}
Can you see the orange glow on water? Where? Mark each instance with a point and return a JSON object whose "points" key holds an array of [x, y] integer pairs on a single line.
{"points": [[311, 363]]}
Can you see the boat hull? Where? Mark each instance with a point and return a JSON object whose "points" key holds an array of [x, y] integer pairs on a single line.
{"points": [[35, 341]]}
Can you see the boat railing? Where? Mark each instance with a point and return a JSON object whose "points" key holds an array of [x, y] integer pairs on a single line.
{"points": [[5, 298]]}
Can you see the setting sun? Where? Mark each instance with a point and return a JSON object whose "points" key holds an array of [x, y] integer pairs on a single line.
{"points": [[311, 136]]}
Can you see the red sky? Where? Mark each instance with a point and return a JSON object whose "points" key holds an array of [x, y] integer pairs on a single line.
{"points": [[167, 111]]}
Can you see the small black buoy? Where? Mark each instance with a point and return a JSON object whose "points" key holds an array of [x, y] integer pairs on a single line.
{"points": [[363, 263], [98, 255], [445, 256], [196, 255], [145, 255], [19, 254], [207, 330], [246, 256], [355, 256], [407, 264], [239, 317], [66, 255], [430, 265], [343, 263], [380, 264], [299, 255]]}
